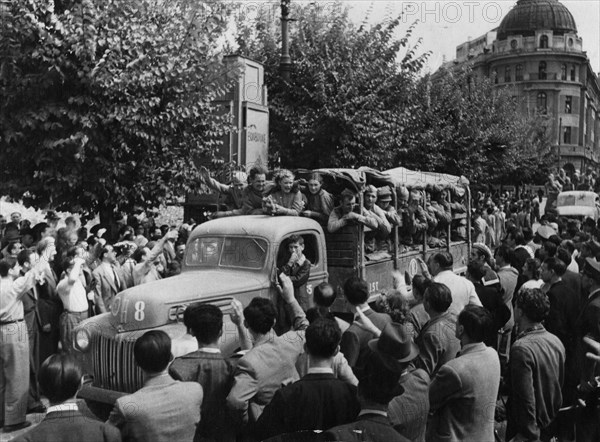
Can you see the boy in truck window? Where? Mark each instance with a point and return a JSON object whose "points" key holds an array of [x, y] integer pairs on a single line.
{"points": [[298, 269]]}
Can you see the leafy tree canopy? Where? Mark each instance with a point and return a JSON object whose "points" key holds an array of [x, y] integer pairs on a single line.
{"points": [[350, 95], [103, 102], [466, 126]]}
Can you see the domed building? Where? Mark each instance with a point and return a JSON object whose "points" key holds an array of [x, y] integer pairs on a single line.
{"points": [[536, 51]]}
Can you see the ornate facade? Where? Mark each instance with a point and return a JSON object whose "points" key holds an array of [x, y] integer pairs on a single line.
{"points": [[537, 53]]}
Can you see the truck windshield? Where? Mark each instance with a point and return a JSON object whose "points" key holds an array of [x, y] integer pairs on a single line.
{"points": [[574, 199], [239, 252]]}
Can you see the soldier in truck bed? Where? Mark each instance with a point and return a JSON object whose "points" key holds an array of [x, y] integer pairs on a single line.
{"points": [[344, 214]]}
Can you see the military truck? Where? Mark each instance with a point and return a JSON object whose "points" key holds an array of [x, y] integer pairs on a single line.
{"points": [[238, 258]]}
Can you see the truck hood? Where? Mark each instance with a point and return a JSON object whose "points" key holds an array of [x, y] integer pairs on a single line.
{"points": [[161, 302]]}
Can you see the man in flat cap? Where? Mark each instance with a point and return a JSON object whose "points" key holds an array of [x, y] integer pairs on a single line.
{"points": [[384, 202], [383, 228], [416, 214]]}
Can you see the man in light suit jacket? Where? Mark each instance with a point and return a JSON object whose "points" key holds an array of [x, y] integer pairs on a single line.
{"points": [[437, 340], [163, 409], [271, 362], [355, 340], [317, 401], [60, 380], [463, 393], [108, 279]]}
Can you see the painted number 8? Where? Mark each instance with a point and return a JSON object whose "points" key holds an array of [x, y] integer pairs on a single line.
{"points": [[139, 314]]}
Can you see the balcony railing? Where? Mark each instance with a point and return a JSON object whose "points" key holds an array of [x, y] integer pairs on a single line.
{"points": [[549, 76]]}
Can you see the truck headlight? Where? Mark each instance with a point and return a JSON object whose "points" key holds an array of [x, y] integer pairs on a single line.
{"points": [[82, 340]]}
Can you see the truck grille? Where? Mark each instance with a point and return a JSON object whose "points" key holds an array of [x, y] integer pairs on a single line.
{"points": [[114, 367]]}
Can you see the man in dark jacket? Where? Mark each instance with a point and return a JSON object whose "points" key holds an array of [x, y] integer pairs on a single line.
{"points": [[209, 368], [355, 340], [491, 298], [536, 365], [317, 401], [60, 381], [562, 320]]}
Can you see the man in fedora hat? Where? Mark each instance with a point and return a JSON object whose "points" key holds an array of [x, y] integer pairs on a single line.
{"points": [[390, 354], [463, 392], [408, 411]]}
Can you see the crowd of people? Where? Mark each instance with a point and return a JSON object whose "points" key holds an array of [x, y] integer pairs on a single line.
{"points": [[53, 278], [443, 358]]}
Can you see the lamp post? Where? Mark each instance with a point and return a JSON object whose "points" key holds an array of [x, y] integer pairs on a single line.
{"points": [[559, 140], [285, 64]]}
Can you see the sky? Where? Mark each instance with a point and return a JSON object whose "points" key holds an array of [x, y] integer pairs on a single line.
{"points": [[444, 24]]}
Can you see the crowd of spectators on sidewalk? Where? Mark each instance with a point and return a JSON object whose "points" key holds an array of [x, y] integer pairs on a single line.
{"points": [[53, 278]]}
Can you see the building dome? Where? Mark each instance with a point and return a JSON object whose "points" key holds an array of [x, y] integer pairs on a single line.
{"points": [[528, 16]]}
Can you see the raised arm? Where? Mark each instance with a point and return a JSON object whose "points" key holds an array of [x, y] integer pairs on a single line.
{"points": [[298, 316], [211, 182], [73, 276], [158, 248], [237, 315]]}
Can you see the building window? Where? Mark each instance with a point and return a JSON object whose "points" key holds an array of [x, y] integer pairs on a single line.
{"points": [[563, 71], [568, 104], [542, 100], [542, 70], [567, 135], [544, 42], [514, 44], [519, 72], [573, 73], [495, 74], [507, 78]]}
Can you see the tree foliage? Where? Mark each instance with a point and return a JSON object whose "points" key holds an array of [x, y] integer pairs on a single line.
{"points": [[467, 126], [350, 95], [103, 102]]}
